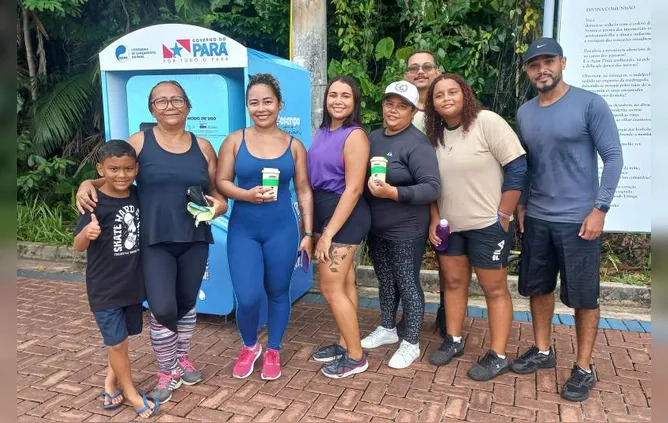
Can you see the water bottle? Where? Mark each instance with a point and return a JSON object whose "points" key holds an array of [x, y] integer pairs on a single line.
{"points": [[442, 231]]}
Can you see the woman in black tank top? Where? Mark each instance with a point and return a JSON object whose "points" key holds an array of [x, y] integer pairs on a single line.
{"points": [[174, 251]]}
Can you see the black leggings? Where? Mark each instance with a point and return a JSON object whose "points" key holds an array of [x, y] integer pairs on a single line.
{"points": [[173, 275], [397, 266]]}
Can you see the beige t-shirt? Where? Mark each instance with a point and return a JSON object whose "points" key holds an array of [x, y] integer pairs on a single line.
{"points": [[471, 168], [418, 121]]}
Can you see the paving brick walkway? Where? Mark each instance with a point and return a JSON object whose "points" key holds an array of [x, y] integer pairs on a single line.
{"points": [[60, 372]]}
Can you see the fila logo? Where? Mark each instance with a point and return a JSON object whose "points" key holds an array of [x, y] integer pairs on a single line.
{"points": [[496, 255]]}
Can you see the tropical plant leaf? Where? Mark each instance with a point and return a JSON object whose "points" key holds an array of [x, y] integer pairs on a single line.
{"points": [[60, 112]]}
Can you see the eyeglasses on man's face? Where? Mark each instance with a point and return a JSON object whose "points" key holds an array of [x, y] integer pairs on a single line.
{"points": [[163, 103], [427, 67]]}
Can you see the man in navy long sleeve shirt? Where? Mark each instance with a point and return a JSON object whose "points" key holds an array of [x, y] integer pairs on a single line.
{"points": [[562, 209]]}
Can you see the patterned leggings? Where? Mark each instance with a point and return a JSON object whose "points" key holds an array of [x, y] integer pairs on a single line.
{"points": [[169, 346], [397, 266]]}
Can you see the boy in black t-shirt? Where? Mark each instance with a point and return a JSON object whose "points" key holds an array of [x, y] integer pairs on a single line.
{"points": [[114, 280]]}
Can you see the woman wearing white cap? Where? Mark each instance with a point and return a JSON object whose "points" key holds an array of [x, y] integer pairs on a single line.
{"points": [[400, 219]]}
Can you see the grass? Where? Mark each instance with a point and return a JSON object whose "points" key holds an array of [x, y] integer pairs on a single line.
{"points": [[37, 222]]}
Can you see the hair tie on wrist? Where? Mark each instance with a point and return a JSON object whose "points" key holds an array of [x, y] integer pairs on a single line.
{"points": [[502, 214]]}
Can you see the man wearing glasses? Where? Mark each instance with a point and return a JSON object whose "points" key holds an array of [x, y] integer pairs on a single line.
{"points": [[421, 70]]}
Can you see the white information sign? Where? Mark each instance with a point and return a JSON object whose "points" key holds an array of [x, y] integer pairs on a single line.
{"points": [[608, 47], [173, 46]]}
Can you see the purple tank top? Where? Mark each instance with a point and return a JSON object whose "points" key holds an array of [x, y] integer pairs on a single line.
{"points": [[326, 169]]}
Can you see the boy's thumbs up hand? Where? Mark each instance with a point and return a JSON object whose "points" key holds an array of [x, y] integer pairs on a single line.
{"points": [[93, 228]]}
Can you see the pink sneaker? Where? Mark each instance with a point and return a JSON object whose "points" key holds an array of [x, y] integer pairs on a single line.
{"points": [[246, 361], [271, 365]]}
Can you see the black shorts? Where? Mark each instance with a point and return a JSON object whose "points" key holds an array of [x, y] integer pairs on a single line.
{"points": [[486, 248], [356, 228], [117, 324], [549, 248]]}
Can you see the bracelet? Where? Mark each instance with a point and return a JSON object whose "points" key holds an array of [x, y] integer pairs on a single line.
{"points": [[502, 214], [308, 234]]}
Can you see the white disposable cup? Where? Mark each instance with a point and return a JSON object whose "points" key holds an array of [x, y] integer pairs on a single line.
{"points": [[270, 177], [379, 168]]}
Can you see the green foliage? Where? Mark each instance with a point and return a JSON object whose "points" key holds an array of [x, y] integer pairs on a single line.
{"points": [[38, 222], [384, 48], [47, 177], [479, 39], [260, 24], [59, 8], [61, 111]]}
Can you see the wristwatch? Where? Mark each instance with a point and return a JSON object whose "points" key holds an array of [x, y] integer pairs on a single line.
{"points": [[602, 207]]}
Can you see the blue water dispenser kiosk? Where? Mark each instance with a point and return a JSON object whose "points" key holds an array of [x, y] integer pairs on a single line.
{"points": [[214, 70]]}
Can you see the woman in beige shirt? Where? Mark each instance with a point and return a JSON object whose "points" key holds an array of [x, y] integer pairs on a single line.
{"points": [[482, 167]]}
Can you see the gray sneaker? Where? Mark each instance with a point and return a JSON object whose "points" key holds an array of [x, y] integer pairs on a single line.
{"points": [[489, 367], [165, 386], [447, 351], [345, 366], [577, 387], [533, 360], [329, 353], [189, 374]]}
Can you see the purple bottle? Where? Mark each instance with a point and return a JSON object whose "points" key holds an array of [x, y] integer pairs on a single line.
{"points": [[442, 231]]}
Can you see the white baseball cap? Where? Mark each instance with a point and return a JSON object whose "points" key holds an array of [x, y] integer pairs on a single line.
{"points": [[405, 90]]}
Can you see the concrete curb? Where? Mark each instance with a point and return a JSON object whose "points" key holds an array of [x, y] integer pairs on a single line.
{"points": [[45, 252], [612, 293]]}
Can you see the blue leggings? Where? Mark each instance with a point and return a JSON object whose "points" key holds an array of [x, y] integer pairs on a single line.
{"points": [[262, 255]]}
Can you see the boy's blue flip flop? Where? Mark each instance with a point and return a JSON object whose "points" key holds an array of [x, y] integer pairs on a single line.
{"points": [[111, 398], [148, 407]]}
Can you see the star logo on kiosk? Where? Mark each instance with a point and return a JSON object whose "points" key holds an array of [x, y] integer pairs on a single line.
{"points": [[171, 52]]}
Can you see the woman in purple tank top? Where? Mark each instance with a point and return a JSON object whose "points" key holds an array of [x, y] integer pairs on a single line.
{"points": [[337, 164]]}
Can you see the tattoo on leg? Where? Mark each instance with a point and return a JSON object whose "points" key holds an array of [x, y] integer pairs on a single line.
{"points": [[337, 253]]}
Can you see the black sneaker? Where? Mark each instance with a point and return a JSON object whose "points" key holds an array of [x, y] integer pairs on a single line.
{"points": [[578, 386], [447, 351], [489, 367], [345, 366], [440, 321], [532, 360], [329, 353]]}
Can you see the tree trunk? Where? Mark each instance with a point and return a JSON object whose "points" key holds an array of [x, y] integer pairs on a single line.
{"points": [[30, 55], [41, 54], [309, 48]]}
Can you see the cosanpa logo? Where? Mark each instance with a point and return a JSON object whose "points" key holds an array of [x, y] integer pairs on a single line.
{"points": [[121, 53]]}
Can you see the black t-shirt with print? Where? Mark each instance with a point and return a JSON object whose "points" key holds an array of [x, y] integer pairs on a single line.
{"points": [[113, 273]]}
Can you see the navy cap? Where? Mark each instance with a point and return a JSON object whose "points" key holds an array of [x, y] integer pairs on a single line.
{"points": [[543, 47]]}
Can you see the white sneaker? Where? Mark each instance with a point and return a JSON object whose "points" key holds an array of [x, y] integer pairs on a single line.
{"points": [[380, 336], [405, 355]]}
